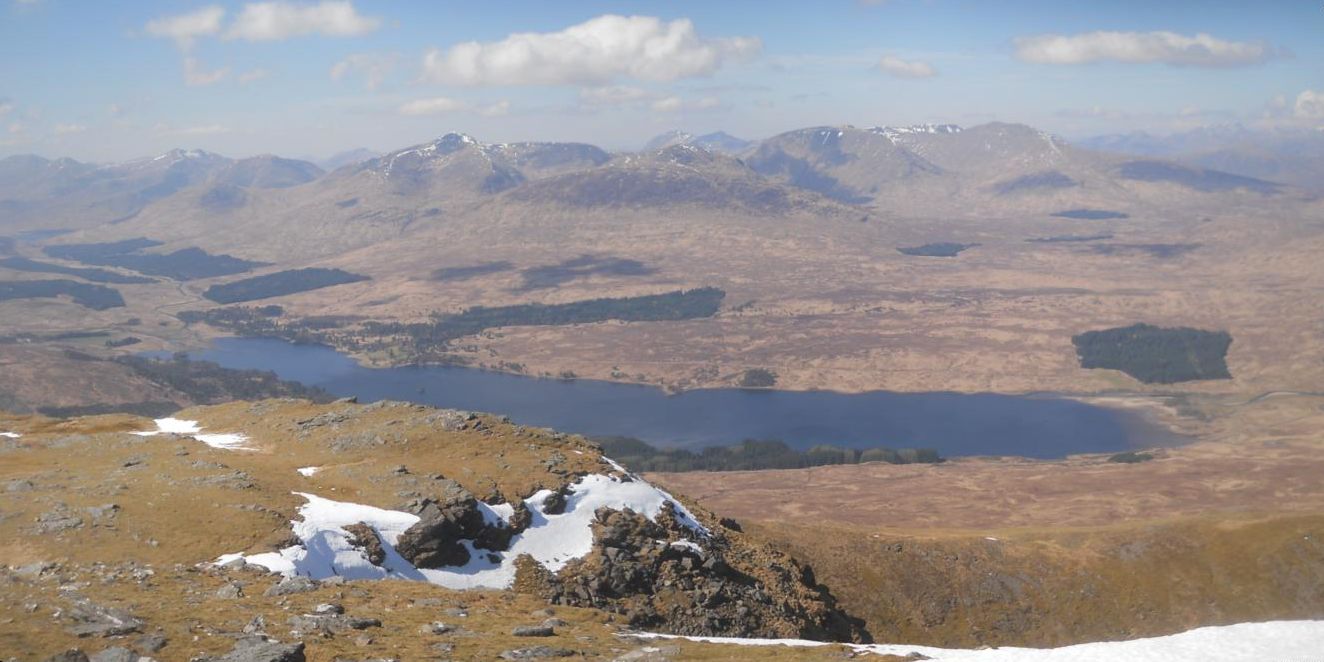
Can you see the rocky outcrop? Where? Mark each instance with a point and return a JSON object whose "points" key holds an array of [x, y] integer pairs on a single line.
{"points": [[662, 575], [444, 523], [365, 538]]}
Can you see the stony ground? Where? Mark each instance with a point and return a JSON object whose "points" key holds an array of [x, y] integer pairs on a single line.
{"points": [[107, 541]]}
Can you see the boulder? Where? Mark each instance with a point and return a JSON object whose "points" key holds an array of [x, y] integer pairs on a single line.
{"points": [[291, 586], [260, 649], [91, 620], [533, 631], [114, 654], [365, 538], [434, 541], [536, 652]]}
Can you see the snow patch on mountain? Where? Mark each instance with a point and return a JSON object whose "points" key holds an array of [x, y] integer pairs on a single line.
{"points": [[229, 441], [894, 133], [1243, 642], [11, 435], [553, 540]]}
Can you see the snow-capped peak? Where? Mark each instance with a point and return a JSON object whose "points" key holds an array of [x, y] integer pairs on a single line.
{"points": [[894, 132]]}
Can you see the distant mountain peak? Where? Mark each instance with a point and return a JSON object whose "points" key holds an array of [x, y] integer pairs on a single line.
{"points": [[894, 132], [717, 141], [667, 139], [178, 154]]}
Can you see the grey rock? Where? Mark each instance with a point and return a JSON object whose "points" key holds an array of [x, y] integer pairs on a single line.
{"points": [[435, 627], [150, 643], [533, 631], [91, 620], [291, 586], [103, 512], [115, 654], [434, 541], [19, 485], [234, 564], [536, 652], [230, 591], [71, 655], [328, 609], [57, 521], [33, 571], [258, 649]]}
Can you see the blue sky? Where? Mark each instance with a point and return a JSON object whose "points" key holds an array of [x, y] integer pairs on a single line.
{"points": [[109, 81]]}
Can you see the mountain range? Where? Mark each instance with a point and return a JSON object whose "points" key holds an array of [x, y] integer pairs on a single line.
{"points": [[901, 170], [1290, 155]]}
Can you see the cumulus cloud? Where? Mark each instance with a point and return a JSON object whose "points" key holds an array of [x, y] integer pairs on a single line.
{"points": [[185, 28], [274, 21], [196, 76], [614, 95], [1201, 50], [66, 129], [1309, 105], [676, 104], [895, 66], [373, 67], [445, 105], [595, 52]]}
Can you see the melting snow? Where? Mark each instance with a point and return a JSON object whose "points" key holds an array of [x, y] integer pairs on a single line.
{"points": [[230, 441], [552, 540], [1243, 642], [308, 471], [11, 435]]}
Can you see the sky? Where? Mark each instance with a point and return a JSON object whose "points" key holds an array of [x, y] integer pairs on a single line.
{"points": [[109, 81]]}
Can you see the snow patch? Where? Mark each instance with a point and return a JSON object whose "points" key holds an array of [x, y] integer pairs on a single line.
{"points": [[551, 539], [11, 435], [308, 471], [229, 441], [1243, 642]]}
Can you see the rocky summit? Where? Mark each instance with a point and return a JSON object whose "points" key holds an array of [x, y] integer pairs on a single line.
{"points": [[284, 530]]}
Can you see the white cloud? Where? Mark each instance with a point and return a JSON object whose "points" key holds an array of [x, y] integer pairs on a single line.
{"points": [[252, 75], [273, 21], [674, 104], [16, 128], [1309, 105], [594, 52], [66, 129], [1201, 50], [5, 107], [445, 105], [667, 105], [196, 76], [895, 66], [374, 67], [614, 95], [184, 28], [437, 106], [498, 109]]}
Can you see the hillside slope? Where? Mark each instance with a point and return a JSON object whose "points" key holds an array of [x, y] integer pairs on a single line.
{"points": [[168, 515]]}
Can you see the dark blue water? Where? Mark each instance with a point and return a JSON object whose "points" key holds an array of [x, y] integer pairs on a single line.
{"points": [[954, 424]]}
